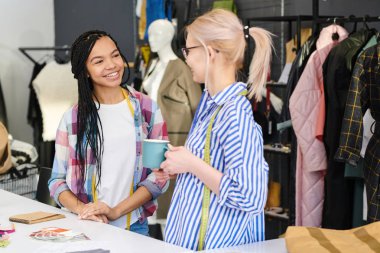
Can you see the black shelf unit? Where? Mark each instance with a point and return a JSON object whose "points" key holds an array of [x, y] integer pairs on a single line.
{"points": [[277, 224], [278, 157]]}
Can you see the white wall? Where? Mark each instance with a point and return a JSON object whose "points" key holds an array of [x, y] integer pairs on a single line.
{"points": [[23, 23]]}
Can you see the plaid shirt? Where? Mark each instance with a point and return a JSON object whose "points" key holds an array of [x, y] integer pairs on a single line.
{"points": [[364, 93], [149, 124]]}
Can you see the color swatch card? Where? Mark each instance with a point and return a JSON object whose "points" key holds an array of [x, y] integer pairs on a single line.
{"points": [[55, 234]]}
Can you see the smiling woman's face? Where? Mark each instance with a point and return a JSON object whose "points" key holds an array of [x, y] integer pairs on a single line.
{"points": [[105, 65]]}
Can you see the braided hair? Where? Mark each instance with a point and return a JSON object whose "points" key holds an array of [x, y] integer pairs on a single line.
{"points": [[89, 132]]}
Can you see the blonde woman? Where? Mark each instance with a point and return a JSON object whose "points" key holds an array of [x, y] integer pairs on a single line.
{"points": [[221, 187]]}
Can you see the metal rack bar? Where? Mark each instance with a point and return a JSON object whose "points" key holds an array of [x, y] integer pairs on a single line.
{"points": [[347, 19], [24, 50]]}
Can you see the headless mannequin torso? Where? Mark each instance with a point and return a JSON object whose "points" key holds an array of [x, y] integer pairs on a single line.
{"points": [[161, 33]]}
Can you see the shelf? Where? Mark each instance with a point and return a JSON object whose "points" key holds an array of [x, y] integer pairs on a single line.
{"points": [[281, 216], [275, 84], [283, 149]]}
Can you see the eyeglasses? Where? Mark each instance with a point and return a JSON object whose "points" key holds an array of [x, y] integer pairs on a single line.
{"points": [[186, 50]]}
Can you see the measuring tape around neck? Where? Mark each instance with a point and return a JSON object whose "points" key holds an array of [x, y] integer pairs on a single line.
{"points": [[206, 190]]}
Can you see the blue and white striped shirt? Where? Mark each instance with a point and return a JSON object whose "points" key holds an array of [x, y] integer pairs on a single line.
{"points": [[237, 215]]}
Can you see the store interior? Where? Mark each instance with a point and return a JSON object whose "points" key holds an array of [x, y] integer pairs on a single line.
{"points": [[310, 184]]}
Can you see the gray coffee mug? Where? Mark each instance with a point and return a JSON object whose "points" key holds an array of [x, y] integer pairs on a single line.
{"points": [[154, 152]]}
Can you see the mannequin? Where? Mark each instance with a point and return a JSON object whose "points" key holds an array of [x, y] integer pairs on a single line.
{"points": [[161, 33], [169, 82]]}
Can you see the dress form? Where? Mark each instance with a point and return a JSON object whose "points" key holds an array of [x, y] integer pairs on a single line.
{"points": [[161, 33]]}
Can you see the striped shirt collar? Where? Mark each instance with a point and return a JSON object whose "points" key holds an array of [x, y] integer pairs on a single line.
{"points": [[226, 94]]}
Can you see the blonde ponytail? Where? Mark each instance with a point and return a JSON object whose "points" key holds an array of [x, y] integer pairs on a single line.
{"points": [[223, 30], [260, 64]]}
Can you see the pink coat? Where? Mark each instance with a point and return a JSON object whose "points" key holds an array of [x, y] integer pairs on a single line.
{"points": [[307, 110]]}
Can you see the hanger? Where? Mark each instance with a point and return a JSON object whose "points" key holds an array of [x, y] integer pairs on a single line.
{"points": [[365, 25], [62, 58], [45, 58], [335, 35], [352, 17]]}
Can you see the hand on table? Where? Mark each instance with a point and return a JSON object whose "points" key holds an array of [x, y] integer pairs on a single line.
{"points": [[99, 218], [98, 209]]}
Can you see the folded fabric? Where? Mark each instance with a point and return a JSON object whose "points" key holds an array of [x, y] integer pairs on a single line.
{"points": [[35, 217], [318, 240], [23, 152]]}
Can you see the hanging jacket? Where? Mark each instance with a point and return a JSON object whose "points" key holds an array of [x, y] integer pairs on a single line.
{"points": [[296, 70], [337, 71], [56, 91], [364, 93], [45, 149], [307, 113], [178, 98]]}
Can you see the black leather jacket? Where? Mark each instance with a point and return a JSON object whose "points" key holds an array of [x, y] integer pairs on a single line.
{"points": [[337, 72], [298, 66]]}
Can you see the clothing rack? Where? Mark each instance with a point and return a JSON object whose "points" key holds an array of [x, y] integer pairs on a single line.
{"points": [[289, 19], [315, 18], [24, 50], [350, 19]]}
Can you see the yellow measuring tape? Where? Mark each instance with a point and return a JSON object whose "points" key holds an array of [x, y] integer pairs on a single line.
{"points": [[128, 225], [206, 190]]}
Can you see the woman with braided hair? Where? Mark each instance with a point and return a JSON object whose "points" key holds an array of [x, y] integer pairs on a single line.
{"points": [[97, 171], [222, 176]]}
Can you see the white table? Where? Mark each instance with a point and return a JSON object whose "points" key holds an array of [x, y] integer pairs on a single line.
{"points": [[101, 235], [270, 246]]}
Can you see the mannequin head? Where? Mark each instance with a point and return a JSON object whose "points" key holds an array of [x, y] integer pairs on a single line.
{"points": [[161, 33]]}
